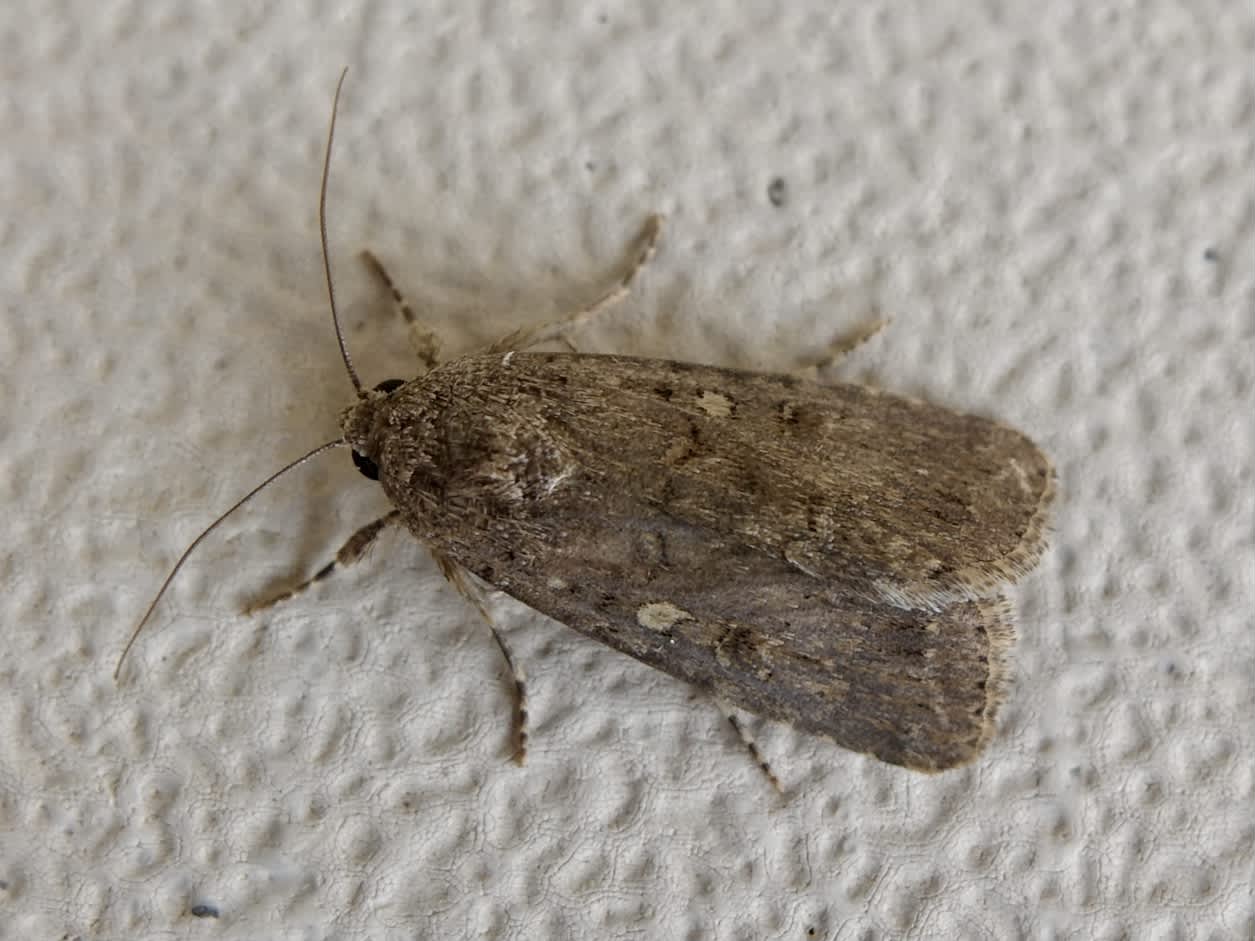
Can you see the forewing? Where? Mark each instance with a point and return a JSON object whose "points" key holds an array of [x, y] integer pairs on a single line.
{"points": [[912, 687], [898, 500]]}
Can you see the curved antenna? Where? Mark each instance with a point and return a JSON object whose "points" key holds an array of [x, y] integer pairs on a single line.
{"points": [[322, 231], [339, 442]]}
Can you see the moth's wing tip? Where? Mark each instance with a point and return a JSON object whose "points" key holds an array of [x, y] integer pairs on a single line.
{"points": [[998, 621], [988, 577], [950, 750]]}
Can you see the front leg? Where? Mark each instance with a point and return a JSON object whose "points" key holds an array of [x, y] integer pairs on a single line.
{"points": [[350, 552], [461, 579], [425, 342], [427, 346], [527, 337], [839, 349]]}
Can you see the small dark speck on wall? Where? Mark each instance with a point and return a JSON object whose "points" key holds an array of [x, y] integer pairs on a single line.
{"points": [[777, 190]]}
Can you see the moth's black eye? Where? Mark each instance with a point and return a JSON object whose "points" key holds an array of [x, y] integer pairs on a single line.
{"points": [[389, 384], [368, 467]]}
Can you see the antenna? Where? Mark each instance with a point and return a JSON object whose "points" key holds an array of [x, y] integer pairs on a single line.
{"points": [[339, 442], [348, 363], [322, 232]]}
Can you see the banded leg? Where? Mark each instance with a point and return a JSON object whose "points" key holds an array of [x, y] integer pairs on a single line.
{"points": [[427, 346], [841, 347], [459, 579], [526, 337], [752, 747], [425, 342], [349, 553]]}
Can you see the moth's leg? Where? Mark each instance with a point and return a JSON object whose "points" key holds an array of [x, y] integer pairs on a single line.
{"points": [[426, 344], [349, 553], [752, 747], [459, 578], [526, 337], [840, 348]]}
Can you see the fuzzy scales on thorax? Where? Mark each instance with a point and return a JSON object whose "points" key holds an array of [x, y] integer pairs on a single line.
{"points": [[457, 448]]}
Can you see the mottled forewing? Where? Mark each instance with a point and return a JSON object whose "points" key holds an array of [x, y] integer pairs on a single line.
{"points": [[896, 499], [910, 686]]}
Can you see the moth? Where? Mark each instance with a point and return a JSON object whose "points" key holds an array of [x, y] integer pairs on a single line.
{"points": [[829, 556]]}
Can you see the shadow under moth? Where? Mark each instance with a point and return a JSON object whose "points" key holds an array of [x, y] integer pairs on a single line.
{"points": [[829, 556]]}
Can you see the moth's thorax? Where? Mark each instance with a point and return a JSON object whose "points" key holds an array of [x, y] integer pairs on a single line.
{"points": [[363, 423], [464, 438]]}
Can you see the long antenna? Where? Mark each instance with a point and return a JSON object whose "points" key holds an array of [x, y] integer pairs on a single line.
{"points": [[348, 363], [322, 231], [339, 442]]}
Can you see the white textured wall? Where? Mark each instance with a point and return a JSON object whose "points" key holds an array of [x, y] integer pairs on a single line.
{"points": [[1053, 200]]}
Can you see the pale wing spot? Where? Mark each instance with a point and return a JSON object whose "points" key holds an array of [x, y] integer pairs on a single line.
{"points": [[715, 404], [1022, 476], [557, 480], [661, 616]]}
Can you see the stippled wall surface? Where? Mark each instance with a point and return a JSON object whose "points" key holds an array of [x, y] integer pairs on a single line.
{"points": [[1054, 204]]}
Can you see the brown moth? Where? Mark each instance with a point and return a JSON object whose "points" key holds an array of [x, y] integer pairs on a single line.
{"points": [[829, 556]]}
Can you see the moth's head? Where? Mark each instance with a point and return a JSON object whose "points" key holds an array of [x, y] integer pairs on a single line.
{"points": [[360, 423]]}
